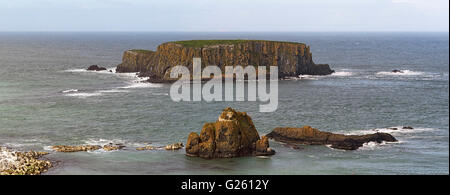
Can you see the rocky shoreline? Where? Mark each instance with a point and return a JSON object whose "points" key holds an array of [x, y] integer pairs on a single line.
{"points": [[232, 135], [31, 163], [111, 147], [22, 163]]}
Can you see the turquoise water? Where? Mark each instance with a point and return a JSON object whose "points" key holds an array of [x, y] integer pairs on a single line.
{"points": [[47, 99]]}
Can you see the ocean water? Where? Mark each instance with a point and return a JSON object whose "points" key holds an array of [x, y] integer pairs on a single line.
{"points": [[46, 98]]}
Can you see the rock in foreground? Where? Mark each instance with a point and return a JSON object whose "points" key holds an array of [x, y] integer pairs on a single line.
{"points": [[22, 163], [310, 136], [232, 135]]}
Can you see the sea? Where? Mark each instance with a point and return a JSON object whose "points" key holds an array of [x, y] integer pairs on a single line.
{"points": [[48, 98]]}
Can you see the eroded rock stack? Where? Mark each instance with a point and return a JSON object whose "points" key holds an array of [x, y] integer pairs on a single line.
{"points": [[232, 135], [310, 136], [291, 58]]}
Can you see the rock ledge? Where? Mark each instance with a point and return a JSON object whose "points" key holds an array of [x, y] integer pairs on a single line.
{"points": [[310, 136]]}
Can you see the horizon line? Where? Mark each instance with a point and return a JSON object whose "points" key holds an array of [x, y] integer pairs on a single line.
{"points": [[237, 31]]}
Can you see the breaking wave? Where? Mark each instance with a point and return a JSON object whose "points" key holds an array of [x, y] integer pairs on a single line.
{"points": [[342, 74], [70, 91], [131, 79], [398, 132], [401, 73]]}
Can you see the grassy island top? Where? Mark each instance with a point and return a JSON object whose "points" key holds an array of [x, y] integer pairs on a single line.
{"points": [[141, 51], [202, 43]]}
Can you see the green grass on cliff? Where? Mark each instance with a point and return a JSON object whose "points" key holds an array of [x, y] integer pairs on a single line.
{"points": [[141, 51], [202, 43]]}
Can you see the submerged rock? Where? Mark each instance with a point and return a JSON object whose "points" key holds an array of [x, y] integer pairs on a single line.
{"points": [[65, 148], [310, 136], [174, 146], [146, 148], [397, 71], [232, 135], [96, 68], [22, 163], [111, 147], [84, 148], [408, 127]]}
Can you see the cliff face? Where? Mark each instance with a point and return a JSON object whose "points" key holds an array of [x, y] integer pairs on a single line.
{"points": [[292, 59]]}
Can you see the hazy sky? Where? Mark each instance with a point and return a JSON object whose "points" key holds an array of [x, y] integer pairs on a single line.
{"points": [[224, 15]]}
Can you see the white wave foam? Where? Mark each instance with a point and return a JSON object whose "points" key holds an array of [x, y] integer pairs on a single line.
{"points": [[133, 82], [113, 91], [48, 148], [401, 73], [107, 71], [342, 74], [7, 158], [70, 90], [76, 93], [163, 94], [393, 130], [19, 145], [102, 142], [376, 145], [306, 77], [83, 94], [76, 70], [372, 145], [139, 82]]}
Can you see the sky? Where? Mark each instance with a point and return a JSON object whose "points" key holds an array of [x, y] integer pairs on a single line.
{"points": [[224, 15]]}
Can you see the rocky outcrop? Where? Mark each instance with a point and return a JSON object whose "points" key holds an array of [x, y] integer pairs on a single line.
{"points": [[292, 59], [22, 163], [96, 68], [232, 135], [310, 136]]}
